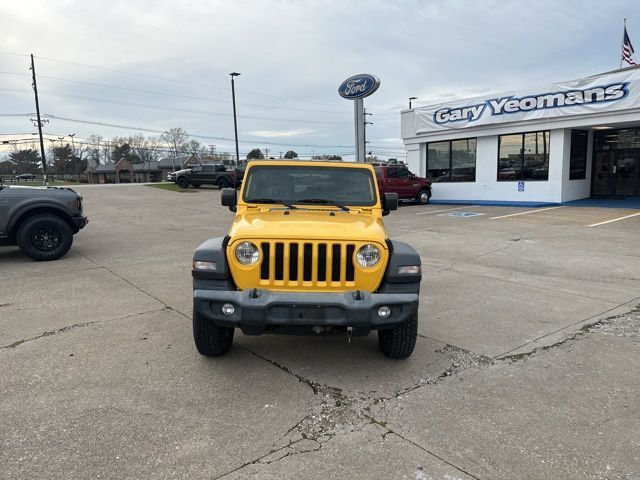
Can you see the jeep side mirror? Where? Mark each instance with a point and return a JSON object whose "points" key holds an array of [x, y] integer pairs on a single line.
{"points": [[389, 202], [229, 197]]}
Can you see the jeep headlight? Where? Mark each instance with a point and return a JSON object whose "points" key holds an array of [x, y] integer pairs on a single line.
{"points": [[368, 255], [247, 253]]}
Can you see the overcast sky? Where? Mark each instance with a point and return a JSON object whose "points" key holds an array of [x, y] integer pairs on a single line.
{"points": [[165, 64]]}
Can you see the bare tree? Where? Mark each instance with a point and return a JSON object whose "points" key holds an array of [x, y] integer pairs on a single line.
{"points": [[177, 140]]}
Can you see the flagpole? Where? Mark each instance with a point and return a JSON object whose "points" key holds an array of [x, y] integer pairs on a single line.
{"points": [[624, 29]]}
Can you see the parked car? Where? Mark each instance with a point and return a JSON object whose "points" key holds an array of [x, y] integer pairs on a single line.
{"points": [[207, 174], [398, 179], [40, 220], [26, 176], [308, 253]]}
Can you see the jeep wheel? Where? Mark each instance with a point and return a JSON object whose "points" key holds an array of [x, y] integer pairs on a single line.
{"points": [[44, 237], [399, 342], [182, 182], [423, 197], [211, 340], [223, 183]]}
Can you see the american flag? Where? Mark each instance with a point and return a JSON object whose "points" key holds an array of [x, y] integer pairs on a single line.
{"points": [[627, 48]]}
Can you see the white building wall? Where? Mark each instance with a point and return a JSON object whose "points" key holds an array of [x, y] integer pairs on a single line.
{"points": [[488, 188]]}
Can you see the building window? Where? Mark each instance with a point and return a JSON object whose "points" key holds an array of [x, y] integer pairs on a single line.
{"points": [[578, 158], [452, 161], [523, 156]]}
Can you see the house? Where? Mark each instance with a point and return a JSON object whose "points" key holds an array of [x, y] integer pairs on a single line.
{"points": [[124, 171]]}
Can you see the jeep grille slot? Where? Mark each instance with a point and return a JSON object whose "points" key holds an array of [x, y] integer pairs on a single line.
{"points": [[279, 260], [264, 268], [296, 264]]}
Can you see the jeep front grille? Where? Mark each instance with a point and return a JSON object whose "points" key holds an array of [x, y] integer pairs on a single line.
{"points": [[319, 264]]}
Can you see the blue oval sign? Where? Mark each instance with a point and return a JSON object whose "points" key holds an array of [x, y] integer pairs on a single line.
{"points": [[358, 86]]}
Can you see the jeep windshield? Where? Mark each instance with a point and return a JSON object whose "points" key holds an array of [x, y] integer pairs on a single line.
{"points": [[304, 184]]}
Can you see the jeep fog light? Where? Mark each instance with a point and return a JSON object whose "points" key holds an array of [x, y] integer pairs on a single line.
{"points": [[384, 312], [368, 255], [409, 270], [247, 253], [228, 309], [206, 266]]}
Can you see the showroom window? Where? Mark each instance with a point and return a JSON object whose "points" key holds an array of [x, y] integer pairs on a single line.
{"points": [[452, 161], [523, 156], [578, 159]]}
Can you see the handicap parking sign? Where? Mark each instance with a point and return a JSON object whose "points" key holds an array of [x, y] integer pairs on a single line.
{"points": [[461, 214], [521, 186]]}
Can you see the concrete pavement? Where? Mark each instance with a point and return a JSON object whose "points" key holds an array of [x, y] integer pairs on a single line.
{"points": [[100, 378]]}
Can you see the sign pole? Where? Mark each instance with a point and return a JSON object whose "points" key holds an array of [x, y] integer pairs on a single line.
{"points": [[356, 88], [358, 110]]}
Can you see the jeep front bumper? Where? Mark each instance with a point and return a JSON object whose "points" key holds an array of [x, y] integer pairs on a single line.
{"points": [[258, 310]]}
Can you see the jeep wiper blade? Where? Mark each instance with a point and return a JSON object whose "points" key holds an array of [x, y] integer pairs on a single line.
{"points": [[324, 201], [274, 201]]}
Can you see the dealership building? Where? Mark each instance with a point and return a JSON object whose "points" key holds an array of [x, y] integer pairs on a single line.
{"points": [[554, 143]]}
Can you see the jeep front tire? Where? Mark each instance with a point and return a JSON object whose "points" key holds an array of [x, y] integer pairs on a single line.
{"points": [[44, 237], [210, 339], [399, 342]]}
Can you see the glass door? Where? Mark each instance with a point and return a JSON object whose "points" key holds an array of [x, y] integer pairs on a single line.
{"points": [[626, 172], [603, 174]]}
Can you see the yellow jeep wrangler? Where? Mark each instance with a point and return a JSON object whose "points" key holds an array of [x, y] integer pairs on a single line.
{"points": [[307, 253]]}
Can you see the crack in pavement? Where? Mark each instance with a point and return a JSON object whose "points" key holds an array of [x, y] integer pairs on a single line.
{"points": [[341, 413], [77, 325], [264, 459], [141, 290], [506, 354], [608, 326], [389, 431], [48, 334]]}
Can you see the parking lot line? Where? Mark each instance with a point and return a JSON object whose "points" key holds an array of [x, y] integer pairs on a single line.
{"points": [[448, 209], [527, 212], [614, 220]]}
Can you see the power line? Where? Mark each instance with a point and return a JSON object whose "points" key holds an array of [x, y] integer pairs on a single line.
{"points": [[188, 97], [156, 77], [172, 109], [208, 137], [160, 132]]}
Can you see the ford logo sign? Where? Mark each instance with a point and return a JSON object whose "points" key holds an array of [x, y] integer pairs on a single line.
{"points": [[358, 86]]}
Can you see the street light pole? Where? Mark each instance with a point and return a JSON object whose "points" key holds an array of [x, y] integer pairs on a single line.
{"points": [[411, 98], [235, 121]]}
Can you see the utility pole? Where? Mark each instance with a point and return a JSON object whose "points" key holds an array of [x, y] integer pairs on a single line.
{"points": [[235, 121], [35, 91]]}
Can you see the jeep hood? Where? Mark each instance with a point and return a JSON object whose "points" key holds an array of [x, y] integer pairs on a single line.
{"points": [[316, 224]]}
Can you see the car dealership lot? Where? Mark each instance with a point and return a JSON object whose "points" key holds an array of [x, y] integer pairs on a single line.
{"points": [[100, 378]]}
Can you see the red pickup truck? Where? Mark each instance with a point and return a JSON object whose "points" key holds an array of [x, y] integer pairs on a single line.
{"points": [[398, 179]]}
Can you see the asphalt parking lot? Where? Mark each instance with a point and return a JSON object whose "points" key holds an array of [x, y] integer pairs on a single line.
{"points": [[526, 365]]}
